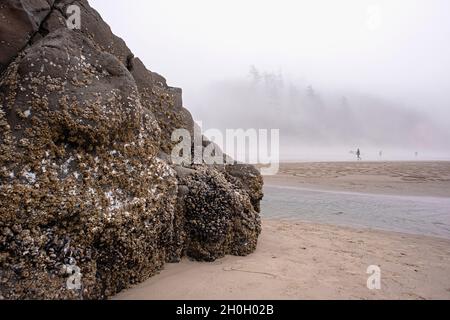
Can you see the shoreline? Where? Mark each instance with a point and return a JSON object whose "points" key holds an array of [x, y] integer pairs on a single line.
{"points": [[356, 193], [373, 161], [404, 178], [300, 260]]}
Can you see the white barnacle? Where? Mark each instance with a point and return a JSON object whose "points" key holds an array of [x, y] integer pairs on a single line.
{"points": [[30, 176], [65, 166]]}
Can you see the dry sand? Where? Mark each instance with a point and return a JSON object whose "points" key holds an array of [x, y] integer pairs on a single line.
{"points": [[297, 260], [307, 261]]}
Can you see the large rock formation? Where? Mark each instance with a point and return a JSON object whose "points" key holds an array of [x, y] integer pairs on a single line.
{"points": [[85, 176]]}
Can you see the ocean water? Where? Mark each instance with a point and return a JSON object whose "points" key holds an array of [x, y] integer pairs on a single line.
{"points": [[408, 214]]}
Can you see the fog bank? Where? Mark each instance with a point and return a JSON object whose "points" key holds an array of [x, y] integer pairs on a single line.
{"points": [[356, 73]]}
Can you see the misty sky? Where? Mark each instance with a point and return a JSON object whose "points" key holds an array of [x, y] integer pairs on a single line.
{"points": [[396, 50]]}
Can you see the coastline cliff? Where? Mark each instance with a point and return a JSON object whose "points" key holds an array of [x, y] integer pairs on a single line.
{"points": [[87, 184]]}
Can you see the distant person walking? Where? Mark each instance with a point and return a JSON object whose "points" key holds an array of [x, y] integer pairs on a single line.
{"points": [[358, 154]]}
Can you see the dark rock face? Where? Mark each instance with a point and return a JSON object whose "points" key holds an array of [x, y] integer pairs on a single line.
{"points": [[85, 179], [19, 21]]}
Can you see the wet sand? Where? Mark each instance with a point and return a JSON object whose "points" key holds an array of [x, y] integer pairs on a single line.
{"points": [[390, 178], [423, 215], [309, 260]]}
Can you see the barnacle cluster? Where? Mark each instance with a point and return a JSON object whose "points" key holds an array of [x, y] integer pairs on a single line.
{"points": [[85, 179]]}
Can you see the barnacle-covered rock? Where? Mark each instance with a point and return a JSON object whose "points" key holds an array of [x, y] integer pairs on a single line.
{"points": [[90, 202], [219, 216], [81, 180]]}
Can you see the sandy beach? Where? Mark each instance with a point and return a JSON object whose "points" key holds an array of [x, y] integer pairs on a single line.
{"points": [[306, 260], [392, 178], [131, 138]]}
